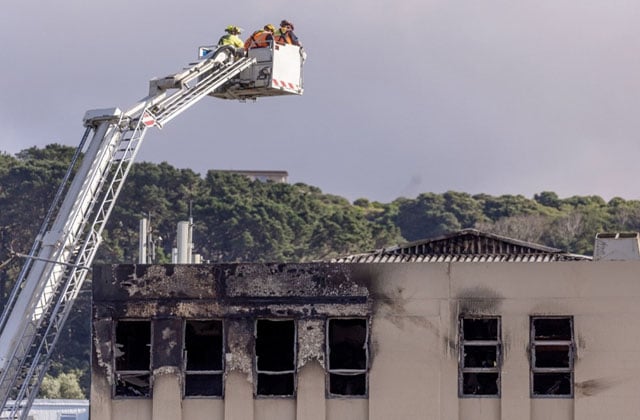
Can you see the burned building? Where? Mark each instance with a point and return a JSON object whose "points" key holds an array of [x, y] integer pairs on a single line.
{"points": [[468, 325]]}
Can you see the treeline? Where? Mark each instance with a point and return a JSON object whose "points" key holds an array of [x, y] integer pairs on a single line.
{"points": [[237, 219], [241, 220]]}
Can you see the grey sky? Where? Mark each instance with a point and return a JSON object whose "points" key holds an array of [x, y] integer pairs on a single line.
{"points": [[401, 97]]}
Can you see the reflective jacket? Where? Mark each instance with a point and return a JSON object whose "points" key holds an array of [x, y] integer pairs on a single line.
{"points": [[259, 39], [230, 39], [286, 37]]}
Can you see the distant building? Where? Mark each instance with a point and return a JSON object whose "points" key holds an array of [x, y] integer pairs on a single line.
{"points": [[464, 326], [57, 410], [262, 176]]}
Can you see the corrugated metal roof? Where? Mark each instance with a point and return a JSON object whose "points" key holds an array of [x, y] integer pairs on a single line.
{"points": [[468, 245]]}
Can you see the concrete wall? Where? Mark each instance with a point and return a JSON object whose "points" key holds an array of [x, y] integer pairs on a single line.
{"points": [[414, 311]]}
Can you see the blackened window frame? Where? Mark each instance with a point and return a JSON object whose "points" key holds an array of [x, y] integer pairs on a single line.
{"points": [[568, 344], [202, 372], [466, 342], [347, 372], [135, 372], [267, 373]]}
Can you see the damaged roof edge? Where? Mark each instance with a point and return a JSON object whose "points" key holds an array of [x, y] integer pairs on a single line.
{"points": [[466, 245]]}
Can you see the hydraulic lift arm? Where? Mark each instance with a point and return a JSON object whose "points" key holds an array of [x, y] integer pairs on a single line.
{"points": [[65, 246]]}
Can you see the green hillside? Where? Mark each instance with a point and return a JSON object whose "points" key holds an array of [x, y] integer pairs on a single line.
{"points": [[241, 220]]}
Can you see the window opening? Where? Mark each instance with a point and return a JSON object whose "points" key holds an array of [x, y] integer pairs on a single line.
{"points": [[348, 356], [480, 357], [203, 358], [552, 354], [68, 417], [275, 357], [133, 359]]}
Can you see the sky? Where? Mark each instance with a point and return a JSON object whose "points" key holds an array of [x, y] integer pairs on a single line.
{"points": [[401, 96]]}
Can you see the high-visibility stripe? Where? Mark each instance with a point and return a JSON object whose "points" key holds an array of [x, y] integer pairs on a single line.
{"points": [[288, 85]]}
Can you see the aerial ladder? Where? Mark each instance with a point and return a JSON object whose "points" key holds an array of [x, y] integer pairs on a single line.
{"points": [[64, 248]]}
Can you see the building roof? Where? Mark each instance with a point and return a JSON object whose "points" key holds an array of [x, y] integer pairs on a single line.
{"points": [[467, 245]]}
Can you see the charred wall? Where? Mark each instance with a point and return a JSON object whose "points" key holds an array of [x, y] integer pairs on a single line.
{"points": [[238, 294]]}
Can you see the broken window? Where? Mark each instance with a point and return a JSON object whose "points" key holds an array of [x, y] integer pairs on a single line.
{"points": [[348, 354], [275, 357], [480, 357], [203, 358], [132, 355], [552, 353]]}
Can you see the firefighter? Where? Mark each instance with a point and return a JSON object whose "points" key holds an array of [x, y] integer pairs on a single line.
{"points": [[260, 38], [231, 38], [285, 34]]}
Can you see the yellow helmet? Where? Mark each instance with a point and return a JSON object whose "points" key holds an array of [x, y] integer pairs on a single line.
{"points": [[232, 29], [269, 27]]}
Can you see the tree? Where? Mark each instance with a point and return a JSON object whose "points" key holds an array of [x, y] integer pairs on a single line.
{"points": [[495, 208], [526, 227], [467, 210], [424, 217], [549, 199], [624, 216], [63, 386]]}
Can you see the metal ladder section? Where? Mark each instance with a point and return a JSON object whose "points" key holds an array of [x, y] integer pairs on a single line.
{"points": [[207, 76], [64, 249], [61, 260], [11, 376]]}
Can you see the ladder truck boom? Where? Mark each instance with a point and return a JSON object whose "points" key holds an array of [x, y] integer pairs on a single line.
{"points": [[65, 246]]}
